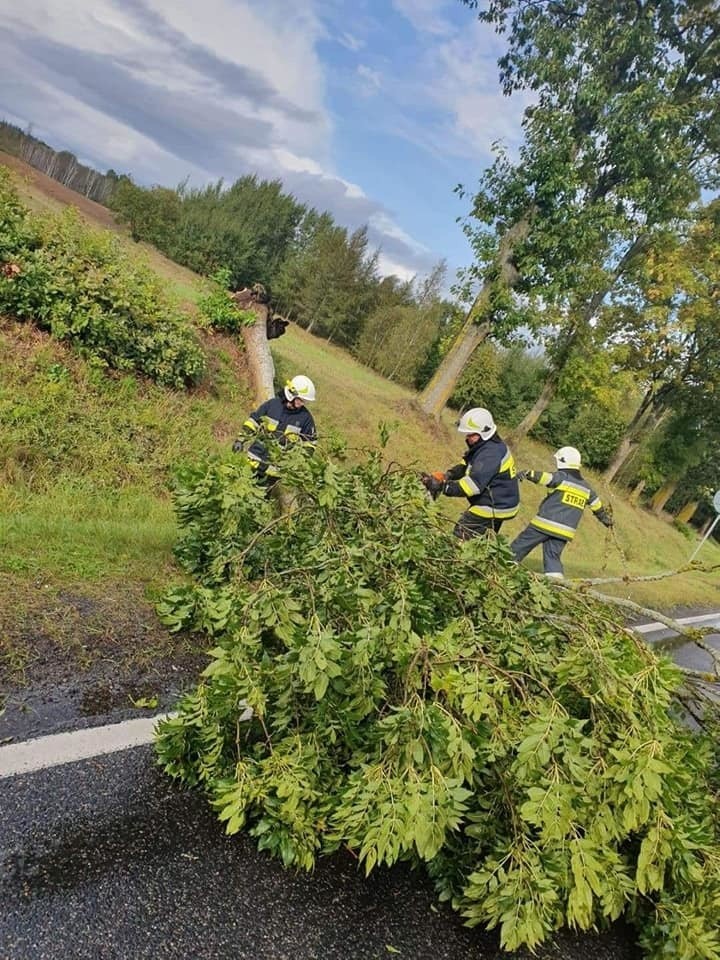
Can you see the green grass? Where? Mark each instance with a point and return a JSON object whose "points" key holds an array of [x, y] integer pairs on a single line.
{"points": [[73, 534], [86, 458]]}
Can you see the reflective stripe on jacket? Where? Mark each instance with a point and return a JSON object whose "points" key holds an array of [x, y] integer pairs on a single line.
{"points": [[487, 478], [561, 511], [282, 423]]}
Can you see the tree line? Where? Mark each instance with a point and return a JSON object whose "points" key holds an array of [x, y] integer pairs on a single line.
{"points": [[61, 165], [599, 245], [319, 274]]}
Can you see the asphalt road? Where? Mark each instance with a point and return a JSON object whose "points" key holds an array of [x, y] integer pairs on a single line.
{"points": [[106, 860]]}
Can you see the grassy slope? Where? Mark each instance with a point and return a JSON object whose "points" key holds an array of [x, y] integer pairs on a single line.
{"points": [[85, 459], [360, 399]]}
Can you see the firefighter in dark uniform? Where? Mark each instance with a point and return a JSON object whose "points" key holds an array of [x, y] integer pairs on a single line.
{"points": [[560, 512], [286, 419], [486, 477]]}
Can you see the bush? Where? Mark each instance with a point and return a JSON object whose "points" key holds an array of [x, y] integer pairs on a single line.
{"points": [[81, 286], [414, 699], [592, 428], [507, 381], [219, 309]]}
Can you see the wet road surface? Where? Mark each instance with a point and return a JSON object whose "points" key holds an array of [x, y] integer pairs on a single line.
{"points": [[106, 860]]}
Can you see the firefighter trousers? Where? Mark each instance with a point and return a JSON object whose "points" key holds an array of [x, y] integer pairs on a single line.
{"points": [[469, 525], [552, 547]]}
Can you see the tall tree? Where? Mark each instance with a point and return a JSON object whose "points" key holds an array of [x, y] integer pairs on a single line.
{"points": [[398, 336], [666, 319], [329, 285], [621, 136]]}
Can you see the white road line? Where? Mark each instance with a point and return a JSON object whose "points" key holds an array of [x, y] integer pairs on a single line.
{"points": [[684, 621], [76, 745]]}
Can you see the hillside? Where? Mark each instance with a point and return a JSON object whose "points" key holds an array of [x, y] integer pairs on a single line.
{"points": [[86, 457]]}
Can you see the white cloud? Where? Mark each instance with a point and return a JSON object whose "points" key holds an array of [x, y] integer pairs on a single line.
{"points": [[150, 87], [371, 80], [387, 227], [387, 266], [425, 15], [287, 160], [273, 38], [350, 41], [450, 103], [466, 84]]}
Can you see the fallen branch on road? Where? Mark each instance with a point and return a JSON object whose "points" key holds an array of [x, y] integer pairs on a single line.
{"points": [[694, 635]]}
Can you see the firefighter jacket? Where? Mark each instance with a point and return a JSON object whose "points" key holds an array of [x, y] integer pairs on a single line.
{"points": [[487, 478], [282, 423], [561, 511]]}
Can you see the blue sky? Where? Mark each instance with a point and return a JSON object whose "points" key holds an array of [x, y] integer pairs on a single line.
{"points": [[372, 109]]}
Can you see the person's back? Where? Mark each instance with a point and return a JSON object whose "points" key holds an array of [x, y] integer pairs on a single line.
{"points": [[560, 512], [562, 509]]}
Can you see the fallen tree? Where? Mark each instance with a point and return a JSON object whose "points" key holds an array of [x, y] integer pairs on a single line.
{"points": [[375, 686]]}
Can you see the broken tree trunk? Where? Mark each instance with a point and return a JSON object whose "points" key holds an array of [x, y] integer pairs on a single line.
{"points": [[260, 361]]}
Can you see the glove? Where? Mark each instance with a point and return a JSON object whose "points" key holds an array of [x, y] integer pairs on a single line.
{"points": [[605, 516], [432, 484], [239, 446], [522, 474]]}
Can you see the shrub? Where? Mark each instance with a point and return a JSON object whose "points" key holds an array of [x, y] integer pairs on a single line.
{"points": [[219, 309], [80, 285], [415, 699], [507, 381]]}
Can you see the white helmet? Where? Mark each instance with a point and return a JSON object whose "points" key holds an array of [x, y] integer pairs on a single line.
{"points": [[300, 386], [568, 458], [478, 420]]}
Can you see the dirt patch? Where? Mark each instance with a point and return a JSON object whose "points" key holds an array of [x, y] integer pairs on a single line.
{"points": [[79, 656], [411, 410], [40, 182]]}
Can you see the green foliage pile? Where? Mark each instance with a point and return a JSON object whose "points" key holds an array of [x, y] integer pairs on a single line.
{"points": [[218, 308], [416, 699], [80, 285]]}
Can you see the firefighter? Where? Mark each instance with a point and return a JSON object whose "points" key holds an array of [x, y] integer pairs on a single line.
{"points": [[286, 419], [486, 476], [560, 512]]}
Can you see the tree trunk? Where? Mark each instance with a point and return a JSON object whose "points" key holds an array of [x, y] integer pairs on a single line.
{"points": [[686, 514], [477, 326], [643, 418], [635, 495], [439, 390], [538, 408], [260, 361], [657, 504]]}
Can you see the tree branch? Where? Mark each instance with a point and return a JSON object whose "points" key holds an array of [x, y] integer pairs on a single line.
{"points": [[694, 636], [687, 568]]}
